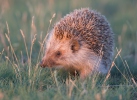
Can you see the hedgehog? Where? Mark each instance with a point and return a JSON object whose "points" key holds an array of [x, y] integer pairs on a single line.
{"points": [[82, 42]]}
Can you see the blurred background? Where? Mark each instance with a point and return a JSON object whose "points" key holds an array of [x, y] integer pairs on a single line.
{"points": [[19, 14]]}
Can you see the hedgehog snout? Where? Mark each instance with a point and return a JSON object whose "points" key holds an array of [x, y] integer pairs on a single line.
{"points": [[47, 63], [41, 63]]}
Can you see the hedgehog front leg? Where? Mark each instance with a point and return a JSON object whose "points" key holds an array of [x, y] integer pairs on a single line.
{"points": [[84, 73]]}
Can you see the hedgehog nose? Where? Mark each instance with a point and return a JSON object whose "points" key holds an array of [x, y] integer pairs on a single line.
{"points": [[41, 63]]}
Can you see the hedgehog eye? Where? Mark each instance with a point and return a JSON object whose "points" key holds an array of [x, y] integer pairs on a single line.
{"points": [[58, 54]]}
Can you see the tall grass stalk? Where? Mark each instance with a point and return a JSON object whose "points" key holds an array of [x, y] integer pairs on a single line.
{"points": [[13, 52], [26, 52], [121, 72], [16, 69], [123, 64], [7, 27], [1, 53], [41, 51], [49, 27], [113, 63]]}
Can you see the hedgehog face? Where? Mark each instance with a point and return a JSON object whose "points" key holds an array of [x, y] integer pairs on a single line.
{"points": [[60, 52]]}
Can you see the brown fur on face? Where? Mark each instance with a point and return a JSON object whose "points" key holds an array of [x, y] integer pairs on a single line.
{"points": [[59, 55]]}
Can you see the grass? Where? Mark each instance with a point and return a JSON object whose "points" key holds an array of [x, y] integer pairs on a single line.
{"points": [[23, 27]]}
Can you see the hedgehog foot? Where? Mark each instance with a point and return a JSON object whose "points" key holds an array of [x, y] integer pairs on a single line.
{"points": [[84, 73]]}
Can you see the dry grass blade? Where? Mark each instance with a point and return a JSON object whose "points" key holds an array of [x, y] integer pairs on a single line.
{"points": [[33, 27], [2, 39], [32, 43], [120, 97], [121, 72], [12, 50], [129, 69], [49, 27], [16, 71], [113, 63], [24, 43], [1, 96], [7, 28], [98, 96], [123, 64], [1, 53], [134, 82]]}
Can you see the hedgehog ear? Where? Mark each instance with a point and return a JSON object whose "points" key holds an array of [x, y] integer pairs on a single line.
{"points": [[75, 45]]}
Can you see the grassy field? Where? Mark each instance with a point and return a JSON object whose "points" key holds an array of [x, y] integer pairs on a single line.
{"points": [[23, 26]]}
